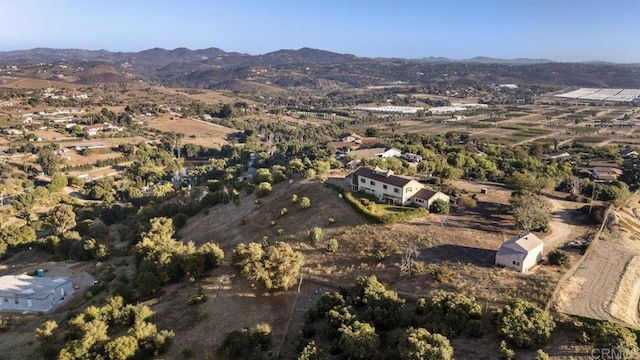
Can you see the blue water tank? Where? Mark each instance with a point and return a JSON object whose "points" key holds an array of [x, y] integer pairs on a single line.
{"points": [[40, 273]]}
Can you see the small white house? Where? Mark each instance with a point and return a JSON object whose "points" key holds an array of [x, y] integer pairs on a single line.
{"points": [[30, 293], [521, 252]]}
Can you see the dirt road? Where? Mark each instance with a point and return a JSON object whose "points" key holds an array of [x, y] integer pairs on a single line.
{"points": [[606, 285]]}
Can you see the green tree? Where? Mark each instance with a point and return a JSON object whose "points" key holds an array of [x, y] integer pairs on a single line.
{"points": [[49, 161], [449, 313], [382, 306], [530, 211], [276, 268], [305, 202], [14, 235], [439, 207], [310, 352], [559, 257], [332, 245], [524, 324], [315, 235], [420, 344], [58, 182], [121, 348], [359, 341], [61, 218], [263, 189], [608, 335]]}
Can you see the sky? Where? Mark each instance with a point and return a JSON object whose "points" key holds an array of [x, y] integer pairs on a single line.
{"points": [[560, 30]]}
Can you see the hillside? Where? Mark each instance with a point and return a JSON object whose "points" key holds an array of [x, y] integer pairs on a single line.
{"points": [[306, 67]]}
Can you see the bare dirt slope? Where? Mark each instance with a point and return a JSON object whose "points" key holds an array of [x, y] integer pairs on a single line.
{"points": [[607, 284]]}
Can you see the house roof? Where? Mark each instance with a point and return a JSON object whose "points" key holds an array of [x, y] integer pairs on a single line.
{"points": [[384, 176], [425, 194], [25, 286], [518, 247], [366, 153]]}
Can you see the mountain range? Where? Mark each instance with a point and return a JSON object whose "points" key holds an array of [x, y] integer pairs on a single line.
{"points": [[218, 69]]}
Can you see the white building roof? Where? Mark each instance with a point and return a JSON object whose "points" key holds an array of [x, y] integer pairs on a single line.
{"points": [[29, 286], [519, 246]]}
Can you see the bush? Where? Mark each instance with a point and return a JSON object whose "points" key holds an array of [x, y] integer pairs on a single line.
{"points": [[505, 352], [310, 352], [439, 207], [294, 199], [420, 344], [608, 335], [247, 343], [276, 268], [332, 245], [283, 211], [449, 313], [559, 258], [524, 324], [440, 273], [315, 235], [382, 306], [331, 220], [305, 202], [263, 189], [366, 208], [359, 341]]}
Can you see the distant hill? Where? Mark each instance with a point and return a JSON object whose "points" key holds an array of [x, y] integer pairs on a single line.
{"points": [[306, 68]]}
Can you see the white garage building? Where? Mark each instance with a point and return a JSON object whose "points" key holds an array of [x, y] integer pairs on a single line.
{"points": [[521, 252], [30, 293]]}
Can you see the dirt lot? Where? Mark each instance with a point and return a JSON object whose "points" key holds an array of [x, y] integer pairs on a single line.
{"points": [[607, 284], [195, 131]]}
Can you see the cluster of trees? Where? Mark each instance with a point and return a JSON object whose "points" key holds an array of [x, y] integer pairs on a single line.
{"points": [[531, 211], [275, 267], [162, 259], [357, 321], [114, 331]]}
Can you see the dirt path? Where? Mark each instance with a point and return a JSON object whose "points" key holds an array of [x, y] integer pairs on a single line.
{"points": [[536, 138], [563, 223], [606, 283]]}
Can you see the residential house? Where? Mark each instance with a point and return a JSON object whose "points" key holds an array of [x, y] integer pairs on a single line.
{"points": [[521, 252], [390, 188], [30, 293], [384, 185], [426, 197]]}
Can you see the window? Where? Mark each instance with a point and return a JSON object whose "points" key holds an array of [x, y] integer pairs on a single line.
{"points": [[17, 301], [396, 190], [409, 190], [384, 186], [6, 299], [372, 183], [362, 180]]}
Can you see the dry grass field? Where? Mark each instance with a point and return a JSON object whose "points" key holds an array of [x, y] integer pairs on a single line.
{"points": [[196, 131]]}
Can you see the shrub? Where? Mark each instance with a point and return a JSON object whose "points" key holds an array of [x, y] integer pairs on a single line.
{"points": [[331, 220], [305, 202], [294, 198], [359, 341], [382, 306], [541, 355], [559, 257], [505, 352], [310, 352], [276, 268], [440, 273], [263, 189], [332, 245], [246, 343], [449, 313], [315, 235], [524, 324], [439, 207], [283, 211], [367, 208], [608, 335], [280, 232], [419, 344]]}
